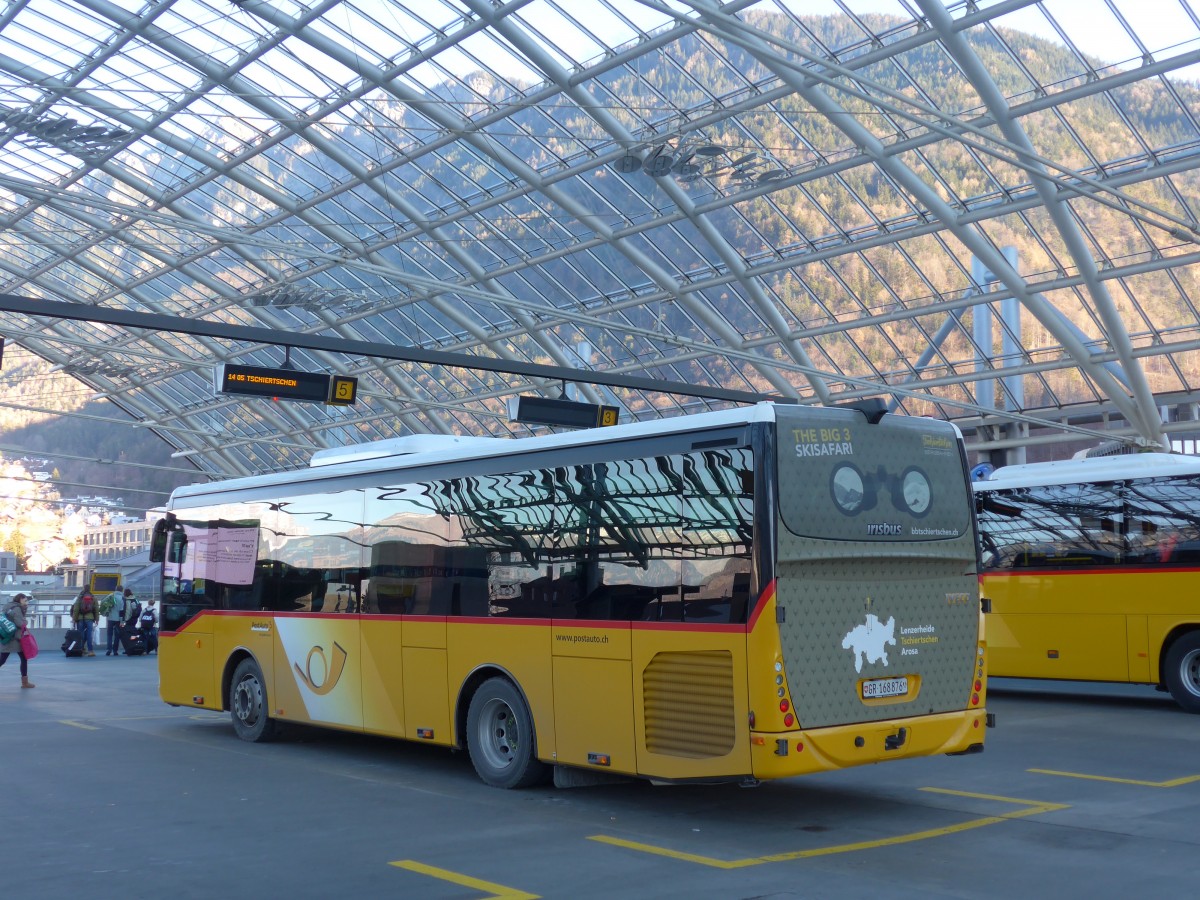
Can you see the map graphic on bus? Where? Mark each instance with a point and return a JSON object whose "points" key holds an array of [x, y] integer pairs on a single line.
{"points": [[869, 641]]}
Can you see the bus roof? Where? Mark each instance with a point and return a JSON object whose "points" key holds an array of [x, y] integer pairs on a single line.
{"points": [[1097, 469], [405, 453]]}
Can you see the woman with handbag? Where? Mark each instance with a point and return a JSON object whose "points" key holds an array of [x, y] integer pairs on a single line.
{"points": [[15, 612]]}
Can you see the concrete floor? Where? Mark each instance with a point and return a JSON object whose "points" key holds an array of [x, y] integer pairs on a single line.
{"points": [[1083, 791]]}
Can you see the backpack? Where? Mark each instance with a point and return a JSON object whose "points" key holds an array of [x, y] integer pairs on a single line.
{"points": [[133, 610], [107, 604], [87, 605], [147, 618], [8, 628]]}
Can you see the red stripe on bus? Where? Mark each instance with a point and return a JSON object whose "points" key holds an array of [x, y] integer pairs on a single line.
{"points": [[764, 598]]}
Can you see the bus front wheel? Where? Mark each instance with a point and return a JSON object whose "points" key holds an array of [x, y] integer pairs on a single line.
{"points": [[1183, 671], [500, 736], [248, 703]]}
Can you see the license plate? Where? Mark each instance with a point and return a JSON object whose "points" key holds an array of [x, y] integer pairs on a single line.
{"points": [[885, 687]]}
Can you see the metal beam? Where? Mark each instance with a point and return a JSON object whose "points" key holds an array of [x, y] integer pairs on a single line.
{"points": [[126, 318]]}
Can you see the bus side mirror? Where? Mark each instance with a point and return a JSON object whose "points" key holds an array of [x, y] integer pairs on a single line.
{"points": [[158, 542], [177, 552]]}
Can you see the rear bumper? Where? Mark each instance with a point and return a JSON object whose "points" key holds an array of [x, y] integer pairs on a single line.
{"points": [[784, 754]]}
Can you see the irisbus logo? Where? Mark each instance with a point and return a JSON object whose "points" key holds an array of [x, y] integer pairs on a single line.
{"points": [[886, 529], [328, 673]]}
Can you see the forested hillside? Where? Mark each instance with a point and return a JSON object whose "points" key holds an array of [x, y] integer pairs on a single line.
{"points": [[1110, 130], [30, 395]]}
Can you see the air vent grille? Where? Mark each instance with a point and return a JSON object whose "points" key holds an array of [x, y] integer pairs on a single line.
{"points": [[688, 700]]}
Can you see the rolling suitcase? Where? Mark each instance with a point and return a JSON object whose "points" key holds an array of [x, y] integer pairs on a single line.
{"points": [[133, 642], [72, 645]]}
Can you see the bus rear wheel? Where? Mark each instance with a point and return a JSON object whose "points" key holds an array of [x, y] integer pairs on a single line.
{"points": [[248, 704], [1182, 671], [500, 736]]}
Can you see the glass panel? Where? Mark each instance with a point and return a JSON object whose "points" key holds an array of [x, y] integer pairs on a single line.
{"points": [[1163, 521], [1070, 525], [502, 526], [618, 528], [407, 539], [718, 509], [301, 554]]}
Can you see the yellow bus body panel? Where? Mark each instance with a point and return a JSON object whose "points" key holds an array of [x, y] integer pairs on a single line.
{"points": [[593, 695], [1138, 650], [518, 649], [1048, 627], [384, 680], [692, 712], [426, 695], [188, 672], [318, 671], [1086, 626]]}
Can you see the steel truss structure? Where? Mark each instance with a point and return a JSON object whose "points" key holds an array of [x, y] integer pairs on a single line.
{"points": [[965, 208]]}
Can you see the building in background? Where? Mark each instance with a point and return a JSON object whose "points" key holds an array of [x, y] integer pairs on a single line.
{"points": [[118, 547], [121, 537], [8, 566]]}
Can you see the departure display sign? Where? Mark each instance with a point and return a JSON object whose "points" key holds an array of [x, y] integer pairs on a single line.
{"points": [[563, 413], [285, 384]]}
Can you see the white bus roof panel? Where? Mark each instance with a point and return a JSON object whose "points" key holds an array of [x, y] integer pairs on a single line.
{"points": [[1098, 469], [367, 458]]}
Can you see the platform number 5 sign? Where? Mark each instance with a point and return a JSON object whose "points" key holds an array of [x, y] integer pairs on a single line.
{"points": [[343, 390]]}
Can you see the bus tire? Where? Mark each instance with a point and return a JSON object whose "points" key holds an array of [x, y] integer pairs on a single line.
{"points": [[500, 736], [248, 704], [1182, 671]]}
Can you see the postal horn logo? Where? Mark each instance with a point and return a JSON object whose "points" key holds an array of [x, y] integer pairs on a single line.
{"points": [[328, 673]]}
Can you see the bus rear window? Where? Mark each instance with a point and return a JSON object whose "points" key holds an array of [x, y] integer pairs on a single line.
{"points": [[899, 480]]}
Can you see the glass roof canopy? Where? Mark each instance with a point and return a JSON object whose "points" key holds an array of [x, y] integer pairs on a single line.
{"points": [[983, 211]]}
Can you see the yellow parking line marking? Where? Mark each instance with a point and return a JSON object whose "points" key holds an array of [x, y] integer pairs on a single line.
{"points": [[1174, 782], [78, 725], [494, 891], [1032, 808]]}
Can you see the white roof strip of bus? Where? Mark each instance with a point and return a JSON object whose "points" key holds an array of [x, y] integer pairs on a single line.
{"points": [[403, 446], [1078, 471], [759, 412]]}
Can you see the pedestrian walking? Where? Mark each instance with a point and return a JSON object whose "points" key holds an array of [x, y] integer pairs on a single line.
{"points": [[15, 611], [85, 613], [112, 608]]}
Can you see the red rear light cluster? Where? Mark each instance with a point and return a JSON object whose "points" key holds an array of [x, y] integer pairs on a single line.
{"points": [[785, 705]]}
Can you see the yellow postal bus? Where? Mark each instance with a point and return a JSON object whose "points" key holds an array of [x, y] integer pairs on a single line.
{"points": [[738, 595], [1091, 567]]}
